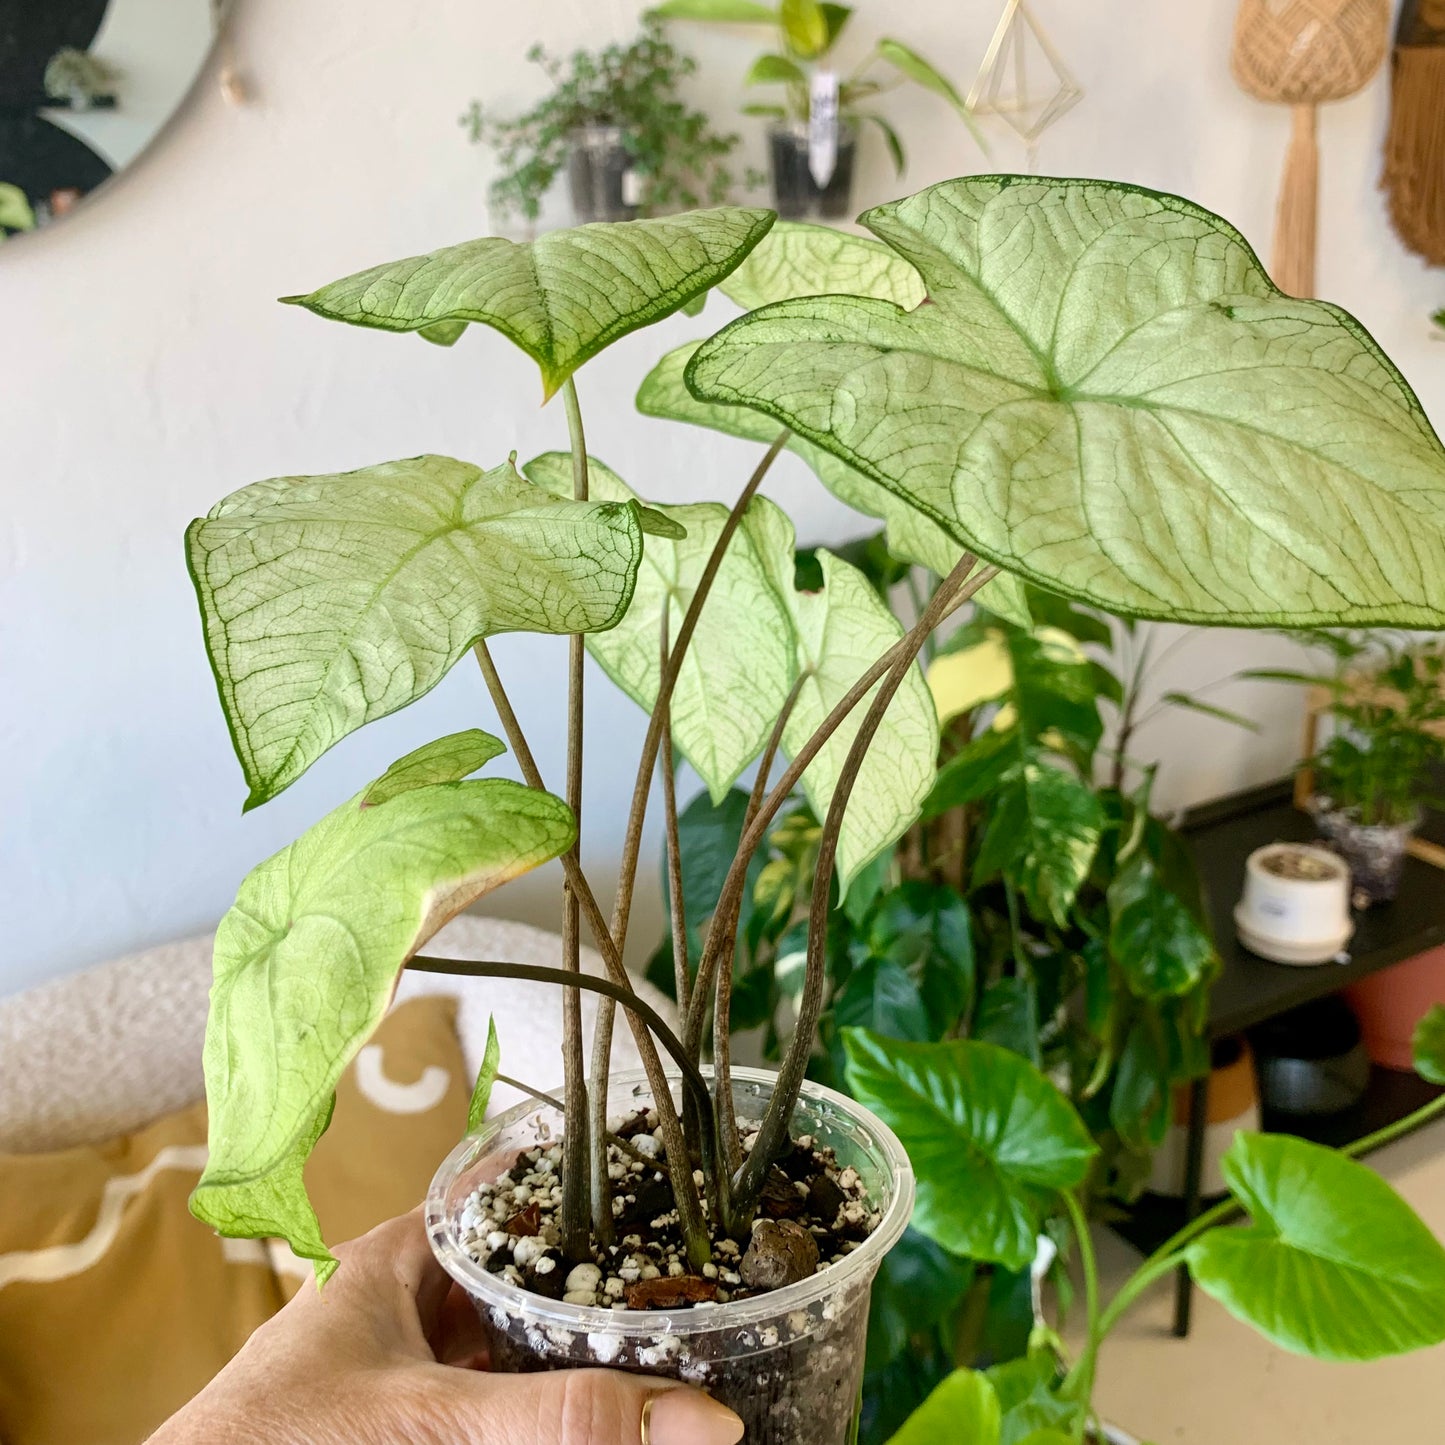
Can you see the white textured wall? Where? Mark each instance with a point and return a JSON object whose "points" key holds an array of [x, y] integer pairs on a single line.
{"points": [[147, 371]]}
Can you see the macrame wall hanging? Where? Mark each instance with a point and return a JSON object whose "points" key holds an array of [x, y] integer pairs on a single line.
{"points": [[1023, 79], [1304, 53], [1414, 176]]}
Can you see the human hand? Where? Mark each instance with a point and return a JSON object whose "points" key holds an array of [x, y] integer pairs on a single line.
{"points": [[386, 1355]]}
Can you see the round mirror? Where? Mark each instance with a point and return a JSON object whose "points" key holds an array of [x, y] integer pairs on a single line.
{"points": [[84, 86]]}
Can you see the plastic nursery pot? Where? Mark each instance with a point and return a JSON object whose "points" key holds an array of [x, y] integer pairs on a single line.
{"points": [[602, 175], [796, 195], [790, 1363], [1375, 853]]}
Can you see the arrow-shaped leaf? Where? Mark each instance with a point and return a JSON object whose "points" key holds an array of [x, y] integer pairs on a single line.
{"points": [[306, 961], [561, 298], [1334, 1264], [331, 601], [740, 664], [1105, 393], [991, 1139]]}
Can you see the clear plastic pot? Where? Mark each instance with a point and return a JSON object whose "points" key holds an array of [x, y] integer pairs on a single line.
{"points": [[796, 195], [790, 1363]]}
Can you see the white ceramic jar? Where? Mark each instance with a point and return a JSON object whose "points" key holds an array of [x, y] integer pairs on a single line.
{"points": [[1296, 904]]}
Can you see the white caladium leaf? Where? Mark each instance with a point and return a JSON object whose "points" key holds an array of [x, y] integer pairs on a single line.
{"points": [[308, 956], [561, 298], [741, 663], [1105, 393], [331, 601], [797, 258], [911, 536], [842, 630]]}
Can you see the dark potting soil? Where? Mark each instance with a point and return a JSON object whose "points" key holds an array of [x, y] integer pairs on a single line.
{"points": [[812, 1213]]}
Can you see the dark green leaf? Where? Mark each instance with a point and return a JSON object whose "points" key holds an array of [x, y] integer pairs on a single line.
{"points": [[1156, 940], [1334, 1263], [1027, 1395], [1193, 704], [881, 997], [1139, 1104], [973, 772], [991, 1139], [917, 1286], [1008, 1015], [925, 928]]}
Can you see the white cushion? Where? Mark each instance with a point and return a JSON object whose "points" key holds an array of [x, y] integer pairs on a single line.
{"points": [[105, 1051]]}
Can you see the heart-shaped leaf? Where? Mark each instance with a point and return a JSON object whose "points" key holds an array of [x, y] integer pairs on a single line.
{"points": [[306, 961], [561, 298], [1334, 1263], [1105, 393], [1430, 1045], [963, 1410], [842, 630], [1034, 1413], [331, 601], [741, 664], [991, 1139]]}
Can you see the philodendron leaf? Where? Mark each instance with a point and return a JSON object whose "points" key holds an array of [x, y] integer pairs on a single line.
{"points": [[1105, 393], [306, 961], [1430, 1045], [1334, 1263], [486, 1079], [911, 535], [740, 664], [991, 1139], [963, 1410], [331, 601], [842, 630], [561, 298]]}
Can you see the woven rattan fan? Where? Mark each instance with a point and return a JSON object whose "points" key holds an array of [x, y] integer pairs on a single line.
{"points": [[1303, 53]]}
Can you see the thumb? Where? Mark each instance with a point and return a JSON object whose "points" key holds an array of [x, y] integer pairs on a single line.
{"points": [[602, 1407]]}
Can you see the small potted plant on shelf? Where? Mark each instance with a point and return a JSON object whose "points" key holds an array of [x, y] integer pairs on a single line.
{"points": [[1053, 412], [813, 138], [1286, 1272], [615, 121], [1376, 771]]}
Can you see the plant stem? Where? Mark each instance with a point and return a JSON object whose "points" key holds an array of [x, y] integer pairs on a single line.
{"points": [[677, 907], [1091, 1289], [722, 932], [692, 1078], [689, 1205], [722, 1052], [637, 812], [575, 1210], [957, 587]]}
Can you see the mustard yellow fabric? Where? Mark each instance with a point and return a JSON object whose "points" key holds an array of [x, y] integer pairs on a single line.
{"points": [[116, 1305]]}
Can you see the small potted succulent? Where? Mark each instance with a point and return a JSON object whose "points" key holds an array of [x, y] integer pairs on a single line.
{"points": [[813, 136], [1385, 701], [615, 122], [711, 1223]]}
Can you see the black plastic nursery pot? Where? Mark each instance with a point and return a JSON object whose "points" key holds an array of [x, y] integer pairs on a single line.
{"points": [[796, 195], [602, 175], [788, 1362]]}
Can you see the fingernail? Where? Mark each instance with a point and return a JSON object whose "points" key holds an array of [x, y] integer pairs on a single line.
{"points": [[688, 1417]]}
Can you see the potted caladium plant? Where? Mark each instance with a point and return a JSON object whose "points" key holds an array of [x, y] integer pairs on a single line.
{"points": [[1332, 1263], [1090, 386], [817, 115]]}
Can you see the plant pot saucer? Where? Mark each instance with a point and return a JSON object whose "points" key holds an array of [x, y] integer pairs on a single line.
{"points": [[1291, 951]]}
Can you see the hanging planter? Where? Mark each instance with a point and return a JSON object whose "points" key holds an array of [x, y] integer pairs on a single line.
{"points": [[787, 1360]]}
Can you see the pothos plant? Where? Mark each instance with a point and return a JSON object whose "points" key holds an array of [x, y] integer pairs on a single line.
{"points": [[806, 32], [1087, 385], [1332, 1264]]}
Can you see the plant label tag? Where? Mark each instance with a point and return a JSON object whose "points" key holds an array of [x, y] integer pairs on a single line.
{"points": [[631, 187], [823, 126]]}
